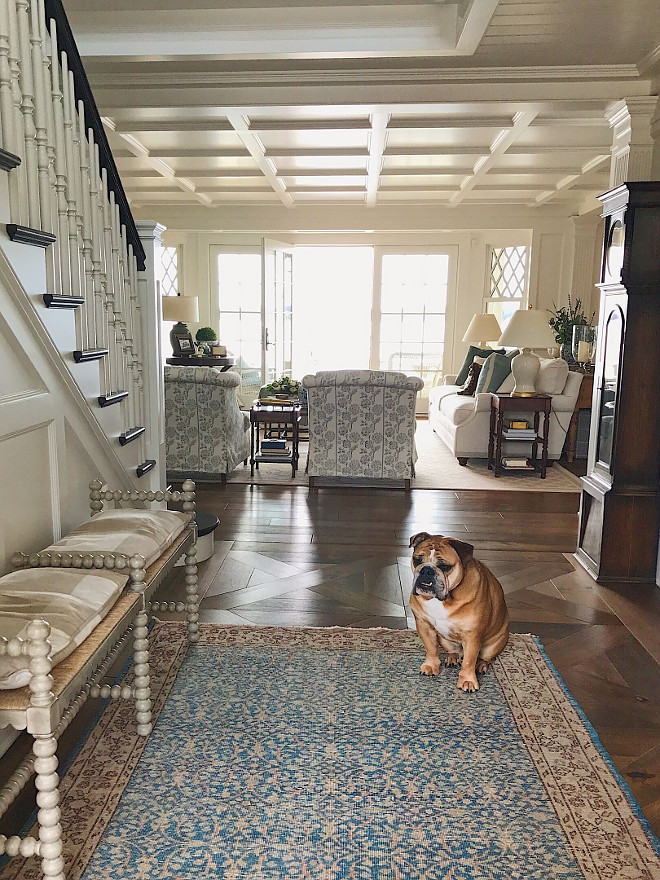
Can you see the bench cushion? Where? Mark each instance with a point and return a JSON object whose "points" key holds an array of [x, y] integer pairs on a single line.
{"points": [[72, 601], [147, 532]]}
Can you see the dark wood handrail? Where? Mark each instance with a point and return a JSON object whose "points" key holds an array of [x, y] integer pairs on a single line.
{"points": [[66, 43]]}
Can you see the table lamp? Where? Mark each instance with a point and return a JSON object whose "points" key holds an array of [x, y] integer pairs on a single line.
{"points": [[483, 329], [181, 309], [528, 328]]}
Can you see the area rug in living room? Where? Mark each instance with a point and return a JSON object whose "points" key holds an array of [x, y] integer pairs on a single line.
{"points": [[322, 754], [436, 468]]}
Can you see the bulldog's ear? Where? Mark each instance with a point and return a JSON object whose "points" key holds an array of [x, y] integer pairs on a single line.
{"points": [[463, 549], [418, 538]]}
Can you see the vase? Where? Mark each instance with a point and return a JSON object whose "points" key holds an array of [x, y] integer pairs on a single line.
{"points": [[584, 343], [566, 352]]}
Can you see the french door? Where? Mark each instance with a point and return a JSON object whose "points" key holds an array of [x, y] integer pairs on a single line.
{"points": [[254, 298]]}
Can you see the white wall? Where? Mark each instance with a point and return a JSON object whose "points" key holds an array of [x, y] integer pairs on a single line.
{"points": [[549, 232]]}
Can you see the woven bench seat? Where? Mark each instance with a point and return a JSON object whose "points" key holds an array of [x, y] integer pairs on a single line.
{"points": [[107, 547]]}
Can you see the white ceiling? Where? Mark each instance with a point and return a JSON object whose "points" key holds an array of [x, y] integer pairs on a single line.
{"points": [[280, 102]]}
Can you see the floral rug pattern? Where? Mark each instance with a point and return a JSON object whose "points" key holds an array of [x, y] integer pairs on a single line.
{"points": [[323, 754]]}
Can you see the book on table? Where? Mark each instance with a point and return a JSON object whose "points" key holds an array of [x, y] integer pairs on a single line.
{"points": [[519, 434], [272, 444], [518, 463], [513, 422]]}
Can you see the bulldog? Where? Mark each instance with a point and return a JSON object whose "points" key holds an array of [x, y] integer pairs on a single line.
{"points": [[459, 603]]}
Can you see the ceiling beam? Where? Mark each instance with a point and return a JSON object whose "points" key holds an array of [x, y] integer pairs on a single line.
{"points": [[571, 180], [377, 141], [241, 125], [164, 170], [521, 121]]}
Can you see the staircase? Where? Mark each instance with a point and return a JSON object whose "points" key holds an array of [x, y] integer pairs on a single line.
{"points": [[80, 385]]}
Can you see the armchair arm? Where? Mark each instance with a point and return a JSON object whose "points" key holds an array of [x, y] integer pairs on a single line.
{"points": [[482, 401], [449, 379]]}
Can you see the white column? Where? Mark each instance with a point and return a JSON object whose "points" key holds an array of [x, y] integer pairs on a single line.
{"points": [[150, 234], [633, 144], [586, 244]]}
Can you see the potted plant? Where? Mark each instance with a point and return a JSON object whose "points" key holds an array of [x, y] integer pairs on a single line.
{"points": [[204, 337], [562, 322]]}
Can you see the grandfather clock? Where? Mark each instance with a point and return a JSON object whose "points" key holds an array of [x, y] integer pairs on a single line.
{"points": [[620, 500]]}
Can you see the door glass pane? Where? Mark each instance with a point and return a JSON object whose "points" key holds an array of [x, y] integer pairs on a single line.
{"points": [[413, 301], [239, 300]]}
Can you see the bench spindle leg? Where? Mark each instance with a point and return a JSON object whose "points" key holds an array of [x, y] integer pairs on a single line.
{"points": [[45, 748], [192, 599], [141, 666]]}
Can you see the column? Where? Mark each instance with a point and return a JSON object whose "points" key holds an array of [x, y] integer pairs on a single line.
{"points": [[150, 234], [633, 144]]}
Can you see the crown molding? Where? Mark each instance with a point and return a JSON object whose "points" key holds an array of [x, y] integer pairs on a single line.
{"points": [[311, 76], [649, 65]]}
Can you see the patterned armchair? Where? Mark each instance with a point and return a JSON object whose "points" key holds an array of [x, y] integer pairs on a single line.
{"points": [[362, 425], [206, 434]]}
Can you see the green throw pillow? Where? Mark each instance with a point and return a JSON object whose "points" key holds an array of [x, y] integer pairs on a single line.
{"points": [[473, 351], [495, 370]]}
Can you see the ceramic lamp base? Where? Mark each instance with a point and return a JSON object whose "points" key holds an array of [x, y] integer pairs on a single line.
{"points": [[525, 368]]}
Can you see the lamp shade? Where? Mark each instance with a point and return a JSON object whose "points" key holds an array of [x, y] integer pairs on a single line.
{"points": [[528, 328], [180, 308], [483, 328]]}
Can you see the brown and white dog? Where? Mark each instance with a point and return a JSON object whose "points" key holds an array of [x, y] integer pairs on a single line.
{"points": [[459, 603]]}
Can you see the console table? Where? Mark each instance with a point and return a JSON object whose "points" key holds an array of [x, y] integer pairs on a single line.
{"points": [[285, 418], [193, 361], [583, 402]]}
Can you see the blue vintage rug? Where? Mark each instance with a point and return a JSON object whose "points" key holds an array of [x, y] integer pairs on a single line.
{"points": [[289, 754]]}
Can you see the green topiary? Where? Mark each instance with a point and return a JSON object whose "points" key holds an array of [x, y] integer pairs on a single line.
{"points": [[206, 334]]}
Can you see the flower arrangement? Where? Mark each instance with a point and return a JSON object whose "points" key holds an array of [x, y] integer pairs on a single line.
{"points": [[283, 385], [565, 318]]}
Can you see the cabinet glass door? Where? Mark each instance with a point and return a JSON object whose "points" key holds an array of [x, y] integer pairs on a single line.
{"points": [[609, 385]]}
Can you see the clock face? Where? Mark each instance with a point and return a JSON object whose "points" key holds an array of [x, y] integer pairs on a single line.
{"points": [[614, 251]]}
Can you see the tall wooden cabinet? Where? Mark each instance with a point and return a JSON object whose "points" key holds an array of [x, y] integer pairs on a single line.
{"points": [[620, 501]]}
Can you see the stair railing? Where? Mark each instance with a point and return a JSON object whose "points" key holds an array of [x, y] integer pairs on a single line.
{"points": [[66, 195]]}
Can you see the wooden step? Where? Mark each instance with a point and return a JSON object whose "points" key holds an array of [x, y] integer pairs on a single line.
{"points": [[145, 467], [26, 235], [130, 435], [112, 398], [8, 161], [90, 354], [57, 301]]}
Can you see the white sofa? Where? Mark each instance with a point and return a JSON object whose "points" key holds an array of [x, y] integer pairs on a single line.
{"points": [[463, 422]]}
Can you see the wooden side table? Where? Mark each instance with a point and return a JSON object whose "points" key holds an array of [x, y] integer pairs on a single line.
{"points": [[500, 405], [266, 418], [224, 363]]}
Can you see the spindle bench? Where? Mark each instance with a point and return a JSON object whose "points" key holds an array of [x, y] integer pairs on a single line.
{"points": [[46, 696]]}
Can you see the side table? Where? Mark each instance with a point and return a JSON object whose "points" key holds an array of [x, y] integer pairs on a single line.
{"points": [[287, 420], [500, 405], [583, 402]]}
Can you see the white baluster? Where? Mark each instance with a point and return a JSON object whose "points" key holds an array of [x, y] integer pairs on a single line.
{"points": [[27, 109], [7, 107], [63, 240], [19, 208]]}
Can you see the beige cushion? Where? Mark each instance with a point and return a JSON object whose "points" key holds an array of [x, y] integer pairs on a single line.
{"points": [[457, 409], [552, 376], [147, 532], [72, 601]]}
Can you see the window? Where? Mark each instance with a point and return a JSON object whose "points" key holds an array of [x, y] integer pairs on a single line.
{"points": [[413, 306], [169, 271], [507, 282], [239, 301]]}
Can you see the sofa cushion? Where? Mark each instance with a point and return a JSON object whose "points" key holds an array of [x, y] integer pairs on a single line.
{"points": [[72, 601], [552, 376], [456, 408], [147, 532], [495, 371], [472, 378], [472, 352], [507, 386]]}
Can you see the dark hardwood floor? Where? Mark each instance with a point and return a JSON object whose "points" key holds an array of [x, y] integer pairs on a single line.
{"points": [[287, 556], [339, 557]]}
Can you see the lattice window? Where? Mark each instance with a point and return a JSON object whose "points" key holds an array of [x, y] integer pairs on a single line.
{"points": [[169, 271], [507, 281]]}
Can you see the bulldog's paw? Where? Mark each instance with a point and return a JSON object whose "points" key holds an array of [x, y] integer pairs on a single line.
{"points": [[482, 665], [467, 681], [430, 666], [452, 660]]}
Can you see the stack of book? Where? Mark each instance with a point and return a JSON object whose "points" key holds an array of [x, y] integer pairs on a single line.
{"points": [[517, 463], [518, 429], [274, 447]]}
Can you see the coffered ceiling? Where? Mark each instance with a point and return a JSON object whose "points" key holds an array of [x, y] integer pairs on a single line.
{"points": [[286, 102]]}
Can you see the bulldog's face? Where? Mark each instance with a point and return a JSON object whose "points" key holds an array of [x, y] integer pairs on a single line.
{"points": [[438, 564]]}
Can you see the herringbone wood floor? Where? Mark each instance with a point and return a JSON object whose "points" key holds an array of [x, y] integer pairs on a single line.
{"points": [[286, 556]]}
